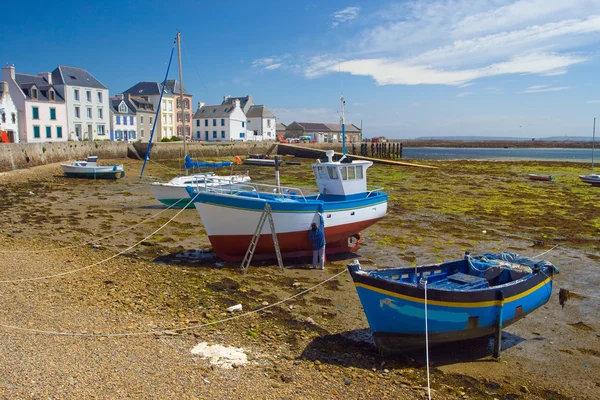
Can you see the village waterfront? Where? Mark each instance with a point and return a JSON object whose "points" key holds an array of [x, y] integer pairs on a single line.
{"points": [[80, 321]]}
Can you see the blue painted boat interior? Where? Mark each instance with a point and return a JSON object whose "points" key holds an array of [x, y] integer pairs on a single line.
{"points": [[471, 273]]}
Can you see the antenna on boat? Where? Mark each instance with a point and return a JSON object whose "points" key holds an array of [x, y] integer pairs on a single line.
{"points": [[343, 122]]}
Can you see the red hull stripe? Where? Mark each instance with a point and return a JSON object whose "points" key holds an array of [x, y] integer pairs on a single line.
{"points": [[291, 244]]}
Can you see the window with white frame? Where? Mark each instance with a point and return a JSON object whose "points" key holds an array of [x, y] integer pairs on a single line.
{"points": [[89, 112], [88, 95], [99, 97], [77, 113], [122, 107], [101, 130], [100, 114], [76, 94]]}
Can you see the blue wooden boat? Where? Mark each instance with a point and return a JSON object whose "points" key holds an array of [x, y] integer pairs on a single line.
{"points": [[466, 299]]}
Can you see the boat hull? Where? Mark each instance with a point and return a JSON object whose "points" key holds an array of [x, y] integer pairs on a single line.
{"points": [[112, 172], [593, 179], [544, 178], [231, 222], [396, 313]]}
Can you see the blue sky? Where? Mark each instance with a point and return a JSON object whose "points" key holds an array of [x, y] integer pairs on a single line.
{"points": [[527, 68]]}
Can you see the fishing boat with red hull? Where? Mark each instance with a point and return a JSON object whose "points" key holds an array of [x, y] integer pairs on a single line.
{"points": [[231, 217]]}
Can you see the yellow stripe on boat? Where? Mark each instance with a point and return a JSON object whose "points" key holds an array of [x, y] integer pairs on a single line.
{"points": [[455, 304]]}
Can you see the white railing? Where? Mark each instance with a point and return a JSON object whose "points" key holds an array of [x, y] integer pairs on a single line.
{"points": [[262, 191]]}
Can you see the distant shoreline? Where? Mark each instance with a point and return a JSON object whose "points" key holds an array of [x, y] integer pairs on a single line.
{"points": [[495, 143]]}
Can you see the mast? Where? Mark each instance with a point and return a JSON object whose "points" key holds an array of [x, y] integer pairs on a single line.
{"points": [[181, 94], [593, 140], [343, 121]]}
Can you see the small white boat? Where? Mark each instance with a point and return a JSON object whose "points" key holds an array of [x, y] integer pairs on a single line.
{"points": [[592, 179], [173, 193], [91, 169]]}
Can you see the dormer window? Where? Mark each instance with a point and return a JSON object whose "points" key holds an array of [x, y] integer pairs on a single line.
{"points": [[34, 93], [122, 108], [51, 95]]}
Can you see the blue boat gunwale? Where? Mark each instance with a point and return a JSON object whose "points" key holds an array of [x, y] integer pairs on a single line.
{"points": [[284, 204], [510, 289]]}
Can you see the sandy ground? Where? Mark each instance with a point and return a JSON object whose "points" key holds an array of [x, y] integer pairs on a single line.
{"points": [[91, 316]]}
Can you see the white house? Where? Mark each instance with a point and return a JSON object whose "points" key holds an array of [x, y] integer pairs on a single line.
{"points": [[261, 124], [41, 110], [9, 123], [87, 103], [220, 123], [123, 121]]}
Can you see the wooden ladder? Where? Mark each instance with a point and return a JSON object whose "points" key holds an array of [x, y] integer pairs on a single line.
{"points": [[266, 214]]}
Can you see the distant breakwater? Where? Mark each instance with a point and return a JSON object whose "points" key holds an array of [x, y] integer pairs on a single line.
{"points": [[498, 144]]}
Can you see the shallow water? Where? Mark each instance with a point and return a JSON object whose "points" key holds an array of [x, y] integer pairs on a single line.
{"points": [[539, 154]]}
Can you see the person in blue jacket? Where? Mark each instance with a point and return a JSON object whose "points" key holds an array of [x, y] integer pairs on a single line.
{"points": [[317, 237]]}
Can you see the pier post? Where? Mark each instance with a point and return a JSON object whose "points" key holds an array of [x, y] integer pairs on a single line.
{"points": [[400, 150], [498, 333]]}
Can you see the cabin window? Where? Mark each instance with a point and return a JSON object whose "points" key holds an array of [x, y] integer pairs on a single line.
{"points": [[359, 172], [320, 172], [351, 172], [332, 172], [344, 172]]}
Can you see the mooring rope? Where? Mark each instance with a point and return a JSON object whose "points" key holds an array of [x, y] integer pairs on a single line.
{"points": [[106, 259], [161, 332], [94, 240]]}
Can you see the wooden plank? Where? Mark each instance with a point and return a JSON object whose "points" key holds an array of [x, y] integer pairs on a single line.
{"points": [[357, 157]]}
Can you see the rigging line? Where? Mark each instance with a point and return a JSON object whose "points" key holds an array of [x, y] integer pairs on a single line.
{"points": [[39, 278], [94, 240], [165, 167], [195, 69], [547, 251], [129, 334]]}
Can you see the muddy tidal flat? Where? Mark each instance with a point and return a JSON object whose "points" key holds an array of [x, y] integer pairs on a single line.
{"points": [[108, 294]]}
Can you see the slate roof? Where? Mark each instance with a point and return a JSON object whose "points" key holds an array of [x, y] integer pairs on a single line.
{"points": [[154, 88], [280, 127], [144, 89], [114, 106], [220, 111], [173, 86], [324, 127], [26, 82], [349, 128], [138, 104], [259, 111], [75, 77]]}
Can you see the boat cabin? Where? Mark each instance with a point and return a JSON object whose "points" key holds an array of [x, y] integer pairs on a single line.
{"points": [[342, 178]]}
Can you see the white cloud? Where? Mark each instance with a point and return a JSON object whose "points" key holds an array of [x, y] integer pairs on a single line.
{"points": [[272, 62], [345, 15], [453, 42], [464, 94], [389, 72], [543, 88], [593, 101], [464, 85]]}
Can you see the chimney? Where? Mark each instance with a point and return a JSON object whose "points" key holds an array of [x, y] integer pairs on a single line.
{"points": [[200, 105], [8, 72], [4, 87], [225, 98], [47, 76], [236, 103]]}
